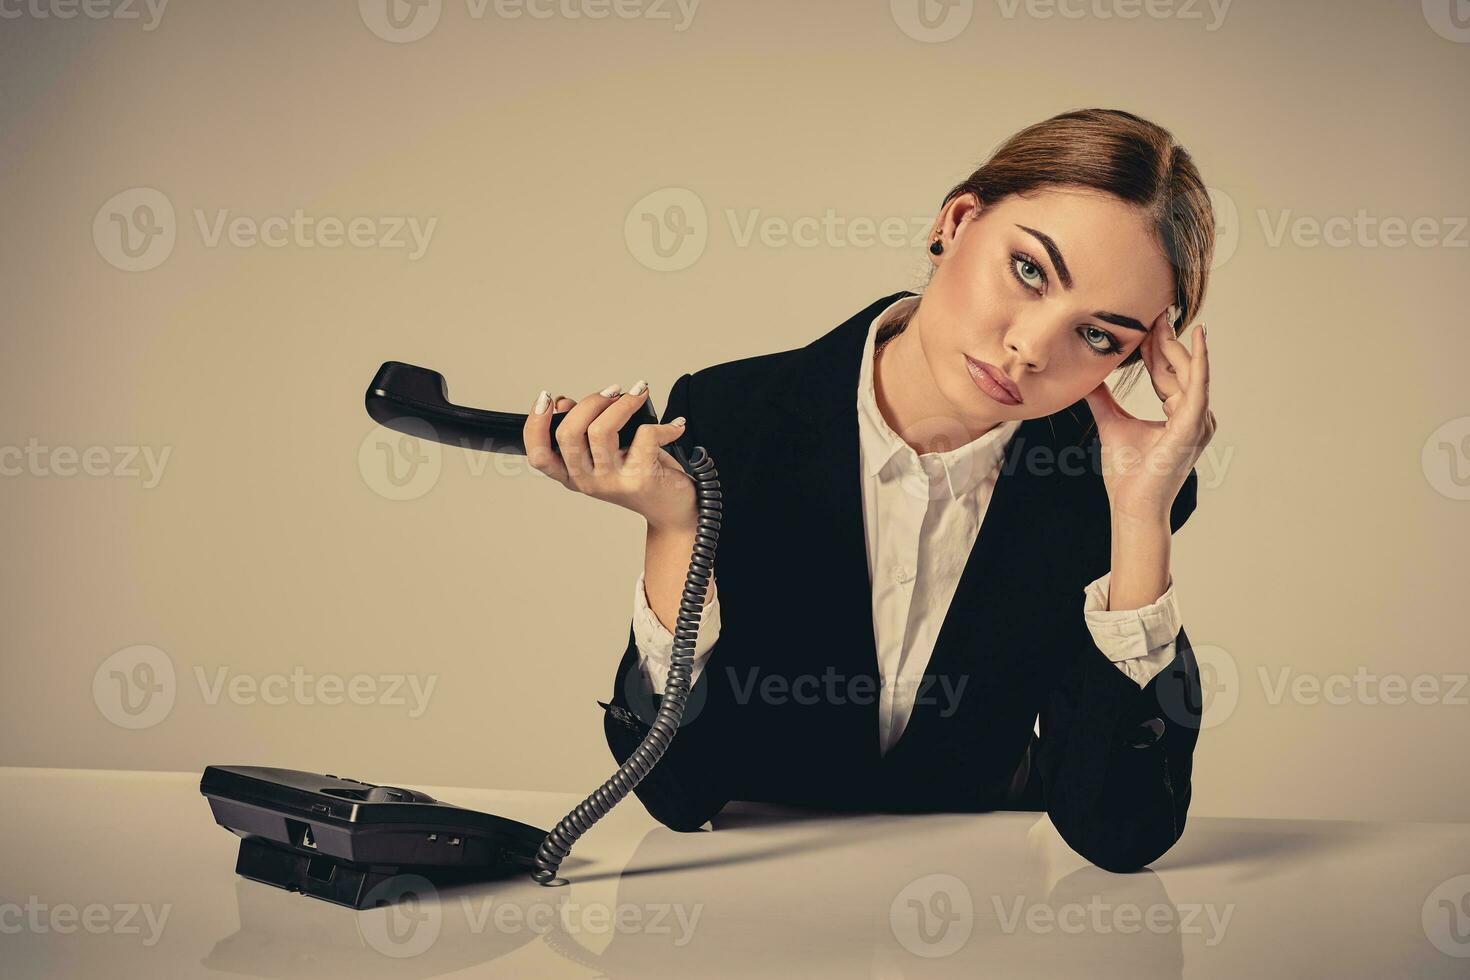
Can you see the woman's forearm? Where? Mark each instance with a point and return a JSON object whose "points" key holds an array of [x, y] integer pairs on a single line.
{"points": [[666, 554], [1140, 562]]}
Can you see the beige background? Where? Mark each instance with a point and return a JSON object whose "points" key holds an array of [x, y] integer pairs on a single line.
{"points": [[1331, 529]]}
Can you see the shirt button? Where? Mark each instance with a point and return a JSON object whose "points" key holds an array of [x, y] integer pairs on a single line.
{"points": [[901, 574]]}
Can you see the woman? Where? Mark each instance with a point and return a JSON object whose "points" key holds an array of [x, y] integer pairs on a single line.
{"points": [[939, 527]]}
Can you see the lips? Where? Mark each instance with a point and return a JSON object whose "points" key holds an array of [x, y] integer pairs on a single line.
{"points": [[999, 387]]}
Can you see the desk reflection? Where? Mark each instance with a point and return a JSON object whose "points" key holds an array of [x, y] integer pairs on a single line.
{"points": [[878, 895]]}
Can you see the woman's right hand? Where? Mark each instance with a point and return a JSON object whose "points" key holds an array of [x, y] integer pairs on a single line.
{"points": [[642, 478]]}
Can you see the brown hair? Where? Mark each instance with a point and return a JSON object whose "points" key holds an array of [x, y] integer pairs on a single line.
{"points": [[1131, 158]]}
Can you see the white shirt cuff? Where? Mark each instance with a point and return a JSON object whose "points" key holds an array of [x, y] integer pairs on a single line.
{"points": [[656, 644], [1139, 641]]}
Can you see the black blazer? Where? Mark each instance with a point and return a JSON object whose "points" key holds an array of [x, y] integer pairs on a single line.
{"points": [[1112, 765]]}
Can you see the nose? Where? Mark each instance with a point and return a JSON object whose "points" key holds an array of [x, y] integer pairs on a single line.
{"points": [[1022, 355], [1026, 344]]}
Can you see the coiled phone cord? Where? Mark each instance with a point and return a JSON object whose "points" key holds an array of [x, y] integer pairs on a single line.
{"points": [[565, 834]]}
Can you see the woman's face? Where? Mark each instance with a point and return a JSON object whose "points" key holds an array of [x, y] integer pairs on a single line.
{"points": [[1052, 290]]}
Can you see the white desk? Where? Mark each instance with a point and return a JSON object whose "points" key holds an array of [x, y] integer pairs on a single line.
{"points": [[126, 874]]}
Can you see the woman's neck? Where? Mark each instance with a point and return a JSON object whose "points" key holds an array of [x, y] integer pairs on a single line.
{"points": [[911, 402]]}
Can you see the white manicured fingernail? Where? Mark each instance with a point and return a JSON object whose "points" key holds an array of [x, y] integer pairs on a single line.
{"points": [[677, 421], [638, 388], [543, 401], [1171, 313], [611, 390]]}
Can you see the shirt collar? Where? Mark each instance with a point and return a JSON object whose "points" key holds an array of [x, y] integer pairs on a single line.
{"points": [[964, 466]]}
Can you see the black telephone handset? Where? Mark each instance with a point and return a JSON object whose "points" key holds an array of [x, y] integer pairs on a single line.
{"points": [[415, 401]]}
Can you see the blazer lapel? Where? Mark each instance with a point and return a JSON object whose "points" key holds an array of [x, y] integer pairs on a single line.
{"points": [[984, 653], [823, 456], [818, 448]]}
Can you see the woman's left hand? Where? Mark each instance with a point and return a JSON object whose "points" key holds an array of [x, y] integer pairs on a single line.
{"points": [[1145, 463]]}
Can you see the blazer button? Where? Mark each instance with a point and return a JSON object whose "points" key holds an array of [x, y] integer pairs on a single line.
{"points": [[900, 574], [1147, 733]]}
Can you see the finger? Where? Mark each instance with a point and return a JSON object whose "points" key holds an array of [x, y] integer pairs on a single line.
{"points": [[1200, 365], [536, 435], [602, 433], [648, 443], [1160, 372], [571, 432], [1197, 414], [1176, 355], [1197, 395]]}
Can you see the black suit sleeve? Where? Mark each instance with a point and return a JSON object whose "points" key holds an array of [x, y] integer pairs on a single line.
{"points": [[685, 789], [1115, 760]]}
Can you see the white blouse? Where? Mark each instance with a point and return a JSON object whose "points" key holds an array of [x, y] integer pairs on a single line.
{"points": [[922, 514]]}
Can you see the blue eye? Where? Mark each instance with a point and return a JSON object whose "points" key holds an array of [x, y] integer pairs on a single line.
{"points": [[1023, 267], [1110, 343], [1020, 260]]}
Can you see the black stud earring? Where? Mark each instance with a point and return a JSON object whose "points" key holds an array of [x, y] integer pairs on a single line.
{"points": [[937, 248]]}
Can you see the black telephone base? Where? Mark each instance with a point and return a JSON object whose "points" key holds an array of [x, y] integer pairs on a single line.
{"points": [[357, 886], [359, 844]]}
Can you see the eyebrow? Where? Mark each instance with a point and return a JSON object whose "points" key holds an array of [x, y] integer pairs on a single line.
{"points": [[1065, 274]]}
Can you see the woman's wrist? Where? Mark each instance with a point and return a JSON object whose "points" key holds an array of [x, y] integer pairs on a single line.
{"points": [[1140, 560], [671, 529], [666, 553]]}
